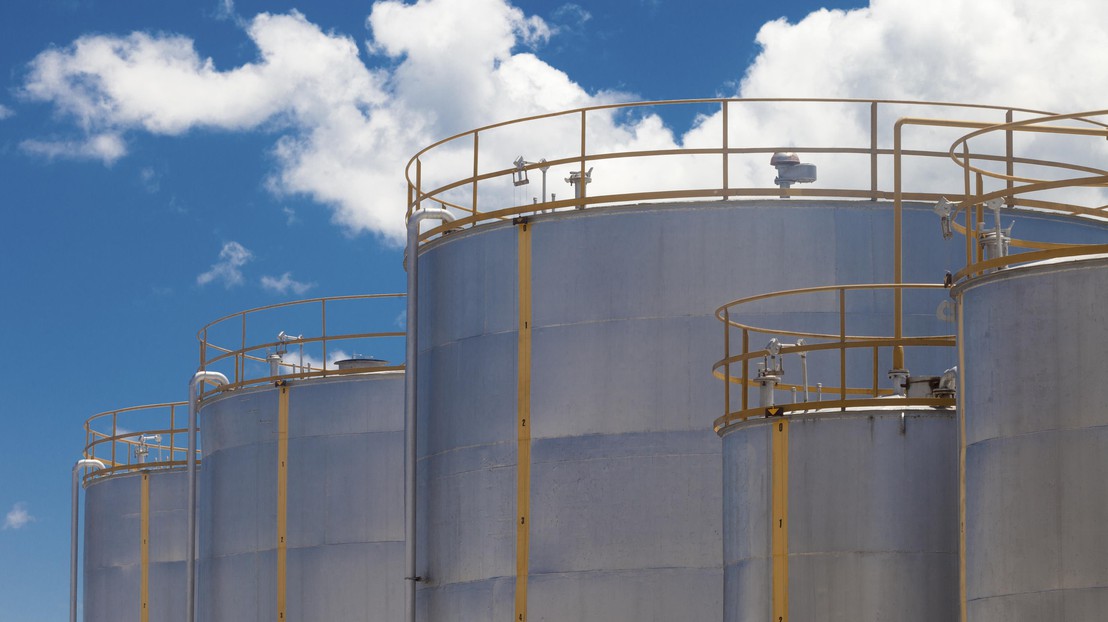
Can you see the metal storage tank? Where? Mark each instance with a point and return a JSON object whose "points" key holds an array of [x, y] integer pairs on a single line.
{"points": [[301, 497], [840, 496], [871, 515], [135, 515], [1033, 433], [566, 471], [1036, 433]]}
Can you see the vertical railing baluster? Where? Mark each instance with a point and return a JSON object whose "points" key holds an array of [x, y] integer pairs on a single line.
{"points": [[873, 150], [842, 344]]}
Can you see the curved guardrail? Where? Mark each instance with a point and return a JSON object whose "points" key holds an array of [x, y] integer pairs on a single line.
{"points": [[301, 339], [451, 171], [735, 368], [1018, 190], [137, 438]]}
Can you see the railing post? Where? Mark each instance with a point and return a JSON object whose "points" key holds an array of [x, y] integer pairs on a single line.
{"points": [[898, 259], [1009, 163], [726, 361], [980, 220], [113, 437], [746, 374], [726, 156], [240, 373], [323, 307], [475, 151], [875, 364], [842, 344], [873, 150], [970, 228], [419, 184], [584, 185]]}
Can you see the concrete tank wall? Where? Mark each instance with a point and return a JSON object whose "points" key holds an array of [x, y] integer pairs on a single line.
{"points": [[1036, 443], [871, 520], [113, 539], [345, 508], [625, 481]]}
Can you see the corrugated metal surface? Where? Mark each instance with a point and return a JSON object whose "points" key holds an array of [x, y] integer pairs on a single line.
{"points": [[871, 521], [625, 482], [345, 525], [1036, 433], [112, 547]]}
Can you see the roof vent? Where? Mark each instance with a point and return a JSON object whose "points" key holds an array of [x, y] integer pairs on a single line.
{"points": [[361, 362], [790, 170]]}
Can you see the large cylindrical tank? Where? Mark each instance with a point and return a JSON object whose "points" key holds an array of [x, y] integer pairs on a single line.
{"points": [[610, 312], [342, 494], [115, 517], [853, 514], [1036, 442]]}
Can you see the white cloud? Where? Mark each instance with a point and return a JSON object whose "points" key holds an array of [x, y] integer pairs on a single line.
{"points": [[232, 257], [150, 180], [344, 130], [572, 14], [18, 517], [106, 147], [290, 216], [225, 10], [285, 283], [6, 112]]}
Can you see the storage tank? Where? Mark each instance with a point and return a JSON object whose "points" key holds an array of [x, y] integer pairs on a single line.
{"points": [[566, 467], [301, 490], [1036, 429], [869, 515], [840, 470], [135, 515]]}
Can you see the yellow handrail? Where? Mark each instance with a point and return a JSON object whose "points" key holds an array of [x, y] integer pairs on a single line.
{"points": [[137, 438], [246, 361], [840, 342], [415, 174]]}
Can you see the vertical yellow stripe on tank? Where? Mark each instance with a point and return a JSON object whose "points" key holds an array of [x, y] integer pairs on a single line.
{"points": [[523, 408], [962, 593], [779, 529], [144, 552], [282, 495]]}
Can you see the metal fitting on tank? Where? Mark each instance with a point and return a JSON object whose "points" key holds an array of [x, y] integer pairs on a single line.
{"points": [[790, 170], [994, 242], [770, 373], [899, 374], [948, 384]]}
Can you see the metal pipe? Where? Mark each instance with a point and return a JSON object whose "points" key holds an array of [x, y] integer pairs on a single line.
{"points": [[85, 463], [217, 379], [411, 256]]}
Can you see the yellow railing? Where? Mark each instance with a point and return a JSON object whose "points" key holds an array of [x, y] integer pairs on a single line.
{"points": [[458, 191], [1018, 188], [299, 339], [138, 438], [734, 368]]}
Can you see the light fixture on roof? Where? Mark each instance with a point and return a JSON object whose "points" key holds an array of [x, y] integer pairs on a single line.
{"points": [[790, 170]]}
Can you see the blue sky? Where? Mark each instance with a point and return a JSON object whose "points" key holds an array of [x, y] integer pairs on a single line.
{"points": [[114, 206]]}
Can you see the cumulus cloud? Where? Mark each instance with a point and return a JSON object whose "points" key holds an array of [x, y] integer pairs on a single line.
{"points": [[106, 147], [6, 112], [18, 517], [344, 130], [232, 257], [284, 284]]}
